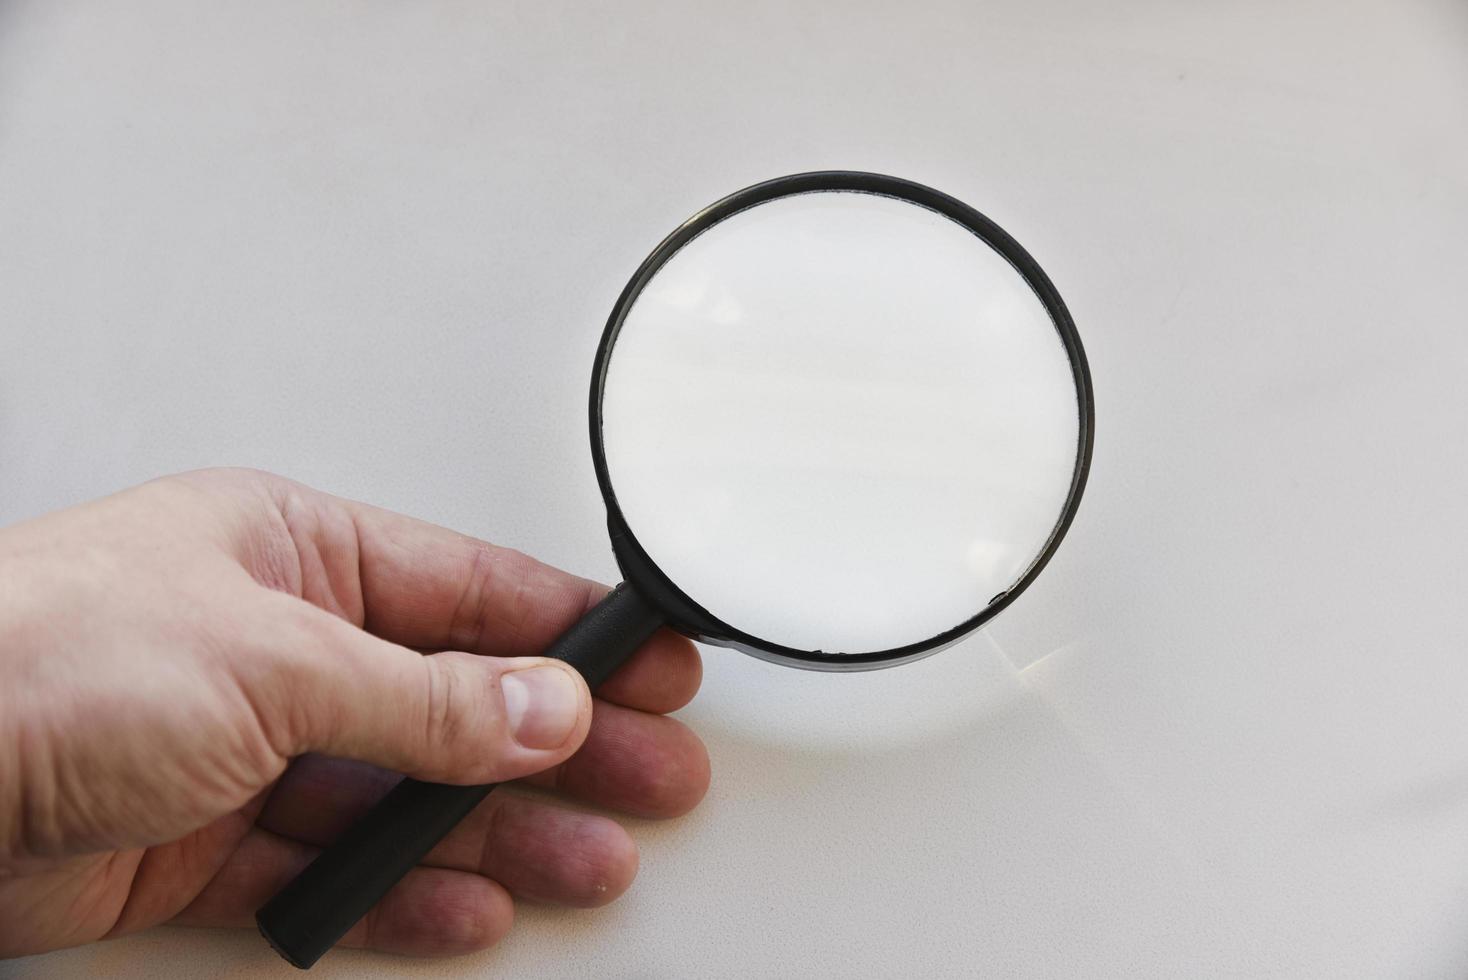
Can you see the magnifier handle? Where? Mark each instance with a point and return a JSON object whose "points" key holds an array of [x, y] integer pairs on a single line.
{"points": [[309, 915]]}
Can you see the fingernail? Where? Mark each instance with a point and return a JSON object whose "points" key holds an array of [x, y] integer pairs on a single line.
{"points": [[541, 704]]}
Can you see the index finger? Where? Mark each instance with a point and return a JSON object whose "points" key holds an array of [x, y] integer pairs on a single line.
{"points": [[429, 587]]}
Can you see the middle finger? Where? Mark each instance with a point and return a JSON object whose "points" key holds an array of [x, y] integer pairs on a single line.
{"points": [[536, 850]]}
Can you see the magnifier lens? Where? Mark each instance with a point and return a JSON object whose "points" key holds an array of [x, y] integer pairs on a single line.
{"points": [[840, 422]]}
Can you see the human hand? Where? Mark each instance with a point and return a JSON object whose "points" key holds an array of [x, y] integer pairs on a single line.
{"points": [[165, 653]]}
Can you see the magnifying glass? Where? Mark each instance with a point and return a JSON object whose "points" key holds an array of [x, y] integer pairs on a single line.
{"points": [[840, 420]]}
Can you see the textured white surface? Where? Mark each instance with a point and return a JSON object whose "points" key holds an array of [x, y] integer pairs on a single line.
{"points": [[371, 245]]}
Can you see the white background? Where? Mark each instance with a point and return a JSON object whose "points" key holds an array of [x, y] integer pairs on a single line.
{"points": [[371, 245]]}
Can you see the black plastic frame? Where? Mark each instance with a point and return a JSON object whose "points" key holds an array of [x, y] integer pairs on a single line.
{"points": [[642, 572]]}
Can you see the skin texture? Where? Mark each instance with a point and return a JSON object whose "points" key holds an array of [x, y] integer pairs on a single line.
{"points": [[206, 678]]}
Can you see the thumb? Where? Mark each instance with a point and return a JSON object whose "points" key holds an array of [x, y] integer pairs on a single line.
{"points": [[443, 717]]}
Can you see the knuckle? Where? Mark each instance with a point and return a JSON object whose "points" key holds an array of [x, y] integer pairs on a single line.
{"points": [[468, 926], [444, 704], [457, 721], [467, 624]]}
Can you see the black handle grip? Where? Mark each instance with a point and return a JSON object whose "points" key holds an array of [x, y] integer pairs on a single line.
{"points": [[308, 916]]}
